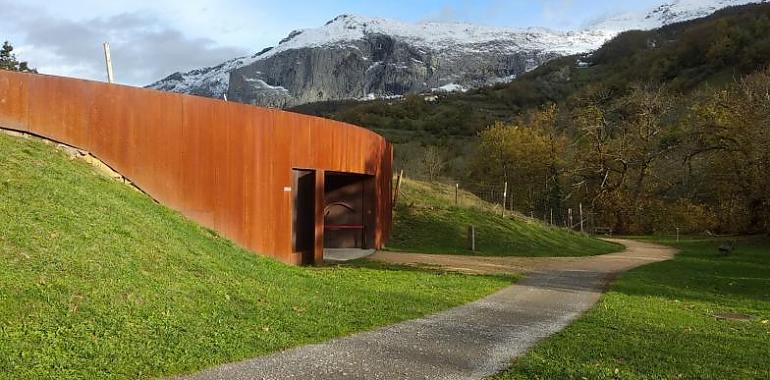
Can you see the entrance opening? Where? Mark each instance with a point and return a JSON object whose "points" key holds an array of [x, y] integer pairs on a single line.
{"points": [[303, 233], [349, 211]]}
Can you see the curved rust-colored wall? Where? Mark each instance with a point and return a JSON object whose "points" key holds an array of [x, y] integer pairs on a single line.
{"points": [[227, 166]]}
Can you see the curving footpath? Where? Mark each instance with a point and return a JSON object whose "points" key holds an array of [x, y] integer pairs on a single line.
{"points": [[467, 342]]}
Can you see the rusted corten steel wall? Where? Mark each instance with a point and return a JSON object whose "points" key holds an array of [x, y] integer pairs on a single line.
{"points": [[227, 166]]}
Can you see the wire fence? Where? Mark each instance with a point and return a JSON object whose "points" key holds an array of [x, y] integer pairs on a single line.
{"points": [[536, 206], [502, 200], [659, 216]]}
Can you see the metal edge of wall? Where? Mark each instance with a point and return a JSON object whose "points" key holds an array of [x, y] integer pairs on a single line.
{"points": [[87, 90], [83, 155]]}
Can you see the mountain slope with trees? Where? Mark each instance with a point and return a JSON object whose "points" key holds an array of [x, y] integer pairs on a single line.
{"points": [[732, 42], [656, 130], [356, 57]]}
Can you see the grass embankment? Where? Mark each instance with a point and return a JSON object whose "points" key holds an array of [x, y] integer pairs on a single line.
{"points": [[427, 220], [98, 281], [658, 322]]}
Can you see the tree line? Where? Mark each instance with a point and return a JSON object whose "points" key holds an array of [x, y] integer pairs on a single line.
{"points": [[645, 161], [663, 129], [8, 60]]}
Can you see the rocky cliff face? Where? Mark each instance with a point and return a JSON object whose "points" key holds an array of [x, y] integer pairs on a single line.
{"points": [[374, 66], [355, 57]]}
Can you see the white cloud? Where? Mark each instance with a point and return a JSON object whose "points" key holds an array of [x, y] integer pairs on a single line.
{"points": [[447, 13], [144, 47], [556, 10], [153, 38]]}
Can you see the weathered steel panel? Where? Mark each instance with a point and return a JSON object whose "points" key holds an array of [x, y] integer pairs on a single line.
{"points": [[227, 166], [57, 109], [14, 103]]}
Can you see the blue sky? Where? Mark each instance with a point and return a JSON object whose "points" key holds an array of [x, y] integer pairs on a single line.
{"points": [[557, 14], [151, 39]]}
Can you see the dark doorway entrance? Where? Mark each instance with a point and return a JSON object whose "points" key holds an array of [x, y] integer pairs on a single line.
{"points": [[348, 211], [303, 231]]}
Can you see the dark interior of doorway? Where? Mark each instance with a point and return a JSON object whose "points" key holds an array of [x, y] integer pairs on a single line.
{"points": [[348, 211], [303, 231]]}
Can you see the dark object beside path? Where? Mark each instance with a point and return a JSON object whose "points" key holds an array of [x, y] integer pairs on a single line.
{"points": [[727, 248]]}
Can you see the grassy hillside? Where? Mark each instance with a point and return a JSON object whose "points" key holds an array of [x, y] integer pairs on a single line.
{"points": [[658, 322], [427, 220], [98, 281]]}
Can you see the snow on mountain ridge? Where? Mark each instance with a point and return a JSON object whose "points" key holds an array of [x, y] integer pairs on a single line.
{"points": [[447, 39], [433, 35], [670, 12]]}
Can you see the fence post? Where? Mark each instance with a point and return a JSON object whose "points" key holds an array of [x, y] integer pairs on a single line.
{"points": [[551, 216], [582, 231], [472, 238], [569, 217], [398, 187], [457, 195]]}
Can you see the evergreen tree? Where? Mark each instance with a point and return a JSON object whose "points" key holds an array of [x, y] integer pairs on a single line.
{"points": [[8, 60]]}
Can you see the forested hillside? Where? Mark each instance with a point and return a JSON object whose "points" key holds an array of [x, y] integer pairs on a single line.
{"points": [[656, 130], [733, 41]]}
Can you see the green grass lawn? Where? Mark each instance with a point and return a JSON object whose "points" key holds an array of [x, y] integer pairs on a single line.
{"points": [[657, 322], [426, 220], [98, 281]]}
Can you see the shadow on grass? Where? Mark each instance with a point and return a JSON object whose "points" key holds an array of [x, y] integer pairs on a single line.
{"points": [[699, 273], [444, 231], [638, 345], [376, 265], [658, 322]]}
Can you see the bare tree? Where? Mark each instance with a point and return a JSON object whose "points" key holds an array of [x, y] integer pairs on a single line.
{"points": [[434, 162]]}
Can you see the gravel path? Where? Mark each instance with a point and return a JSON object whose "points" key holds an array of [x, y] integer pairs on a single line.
{"points": [[467, 342]]}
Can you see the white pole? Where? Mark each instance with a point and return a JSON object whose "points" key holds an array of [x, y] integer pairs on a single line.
{"points": [[108, 60], [457, 195], [505, 196]]}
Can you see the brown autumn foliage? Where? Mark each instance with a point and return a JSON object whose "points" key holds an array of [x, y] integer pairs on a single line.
{"points": [[645, 161]]}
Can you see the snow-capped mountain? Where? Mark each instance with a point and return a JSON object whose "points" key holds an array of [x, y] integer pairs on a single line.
{"points": [[670, 12], [354, 57], [361, 57]]}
